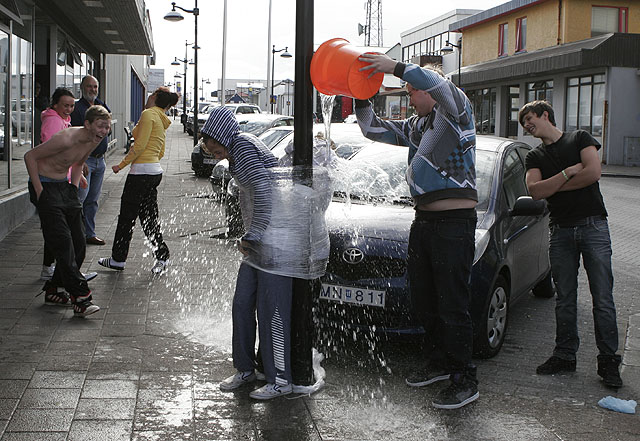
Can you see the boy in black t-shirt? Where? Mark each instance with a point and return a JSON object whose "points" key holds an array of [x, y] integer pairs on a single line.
{"points": [[565, 170]]}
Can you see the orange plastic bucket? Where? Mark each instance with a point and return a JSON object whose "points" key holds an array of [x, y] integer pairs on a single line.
{"points": [[335, 71]]}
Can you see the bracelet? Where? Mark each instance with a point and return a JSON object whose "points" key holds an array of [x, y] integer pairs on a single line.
{"points": [[565, 175]]}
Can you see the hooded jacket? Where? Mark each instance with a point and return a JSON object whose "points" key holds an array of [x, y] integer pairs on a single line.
{"points": [[249, 164], [52, 123]]}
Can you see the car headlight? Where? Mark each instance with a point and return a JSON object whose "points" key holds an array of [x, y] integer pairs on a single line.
{"points": [[232, 188], [482, 241]]}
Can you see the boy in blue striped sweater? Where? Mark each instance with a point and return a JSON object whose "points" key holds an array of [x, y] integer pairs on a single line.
{"points": [[250, 164]]}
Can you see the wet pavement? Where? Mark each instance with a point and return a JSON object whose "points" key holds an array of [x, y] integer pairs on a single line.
{"points": [[148, 365]]}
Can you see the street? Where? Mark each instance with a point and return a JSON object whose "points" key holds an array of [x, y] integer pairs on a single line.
{"points": [[148, 365]]}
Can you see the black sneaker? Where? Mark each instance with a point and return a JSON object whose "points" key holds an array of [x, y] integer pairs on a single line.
{"points": [[83, 306], [610, 374], [54, 297], [428, 375], [457, 394], [556, 365]]}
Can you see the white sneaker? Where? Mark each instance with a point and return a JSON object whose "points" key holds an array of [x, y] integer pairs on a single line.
{"points": [[260, 376], [90, 275], [47, 272], [270, 390], [237, 380], [160, 266]]}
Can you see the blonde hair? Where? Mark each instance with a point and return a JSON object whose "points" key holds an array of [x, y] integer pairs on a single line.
{"points": [[96, 112]]}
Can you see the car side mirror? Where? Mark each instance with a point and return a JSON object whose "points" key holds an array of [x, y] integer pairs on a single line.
{"points": [[526, 206]]}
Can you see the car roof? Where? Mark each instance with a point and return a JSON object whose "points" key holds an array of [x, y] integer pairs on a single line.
{"points": [[492, 143], [251, 117]]}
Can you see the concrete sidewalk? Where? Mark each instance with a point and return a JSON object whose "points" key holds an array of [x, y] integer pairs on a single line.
{"points": [[148, 365]]}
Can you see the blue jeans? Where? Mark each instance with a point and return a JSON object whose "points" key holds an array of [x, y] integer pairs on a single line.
{"points": [[441, 248], [89, 196], [271, 295], [593, 242]]}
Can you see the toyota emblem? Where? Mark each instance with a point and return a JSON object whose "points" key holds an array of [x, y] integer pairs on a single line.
{"points": [[352, 256]]}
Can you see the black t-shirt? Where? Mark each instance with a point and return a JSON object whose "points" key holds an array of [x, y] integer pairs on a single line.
{"points": [[567, 206]]}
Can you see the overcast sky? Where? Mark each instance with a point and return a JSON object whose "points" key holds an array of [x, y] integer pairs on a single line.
{"points": [[247, 31]]}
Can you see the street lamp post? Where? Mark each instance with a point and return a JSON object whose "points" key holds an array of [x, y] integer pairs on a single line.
{"points": [[174, 15], [203, 81], [285, 54], [448, 48], [176, 62]]}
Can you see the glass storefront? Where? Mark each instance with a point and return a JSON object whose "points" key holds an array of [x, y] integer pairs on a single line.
{"points": [[16, 97]]}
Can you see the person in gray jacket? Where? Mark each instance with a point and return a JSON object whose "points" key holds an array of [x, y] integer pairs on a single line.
{"points": [[442, 179]]}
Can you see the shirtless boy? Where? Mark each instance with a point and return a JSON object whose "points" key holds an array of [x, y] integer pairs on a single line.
{"points": [[59, 208]]}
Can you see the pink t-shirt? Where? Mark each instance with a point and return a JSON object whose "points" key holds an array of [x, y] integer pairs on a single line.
{"points": [[52, 123]]}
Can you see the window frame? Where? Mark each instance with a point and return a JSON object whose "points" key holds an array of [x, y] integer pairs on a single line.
{"points": [[623, 18], [503, 33], [521, 37]]}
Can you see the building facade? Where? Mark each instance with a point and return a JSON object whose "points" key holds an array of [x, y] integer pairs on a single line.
{"points": [[46, 44], [583, 56]]}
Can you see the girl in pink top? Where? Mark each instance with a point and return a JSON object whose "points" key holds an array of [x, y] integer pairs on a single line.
{"points": [[58, 116], [55, 118]]}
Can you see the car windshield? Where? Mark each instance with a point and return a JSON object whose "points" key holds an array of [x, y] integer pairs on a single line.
{"points": [[485, 163], [377, 173], [254, 127], [348, 139], [272, 137]]}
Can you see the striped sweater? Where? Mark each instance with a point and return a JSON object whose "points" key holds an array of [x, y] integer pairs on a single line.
{"points": [[249, 165], [441, 144]]}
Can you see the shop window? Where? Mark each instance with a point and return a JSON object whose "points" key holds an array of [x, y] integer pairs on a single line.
{"points": [[16, 98], [606, 19], [540, 90], [484, 109], [521, 34], [503, 39], [585, 103]]}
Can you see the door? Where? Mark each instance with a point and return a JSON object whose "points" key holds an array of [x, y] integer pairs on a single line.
{"points": [[521, 238]]}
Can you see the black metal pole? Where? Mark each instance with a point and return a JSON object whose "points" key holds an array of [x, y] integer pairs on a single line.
{"points": [[195, 77], [459, 61], [301, 315], [184, 88], [273, 59]]}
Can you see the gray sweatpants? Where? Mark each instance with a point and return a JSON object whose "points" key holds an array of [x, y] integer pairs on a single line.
{"points": [[271, 294]]}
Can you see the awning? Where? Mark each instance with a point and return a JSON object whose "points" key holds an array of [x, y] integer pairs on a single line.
{"points": [[619, 50], [111, 26]]}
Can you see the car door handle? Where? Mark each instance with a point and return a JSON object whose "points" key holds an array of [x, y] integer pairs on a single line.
{"points": [[516, 234]]}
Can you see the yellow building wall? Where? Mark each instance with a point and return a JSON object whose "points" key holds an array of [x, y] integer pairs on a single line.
{"points": [[577, 18], [544, 27], [480, 43]]}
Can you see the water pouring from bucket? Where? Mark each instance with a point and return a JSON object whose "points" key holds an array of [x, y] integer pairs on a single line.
{"points": [[335, 70]]}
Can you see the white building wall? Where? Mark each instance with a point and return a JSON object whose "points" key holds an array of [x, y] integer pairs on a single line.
{"points": [[623, 96], [118, 89]]}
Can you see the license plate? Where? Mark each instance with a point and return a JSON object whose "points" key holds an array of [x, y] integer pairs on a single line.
{"points": [[350, 294], [209, 161]]}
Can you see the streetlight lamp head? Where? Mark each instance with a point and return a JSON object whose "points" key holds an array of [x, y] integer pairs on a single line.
{"points": [[447, 49], [175, 62], [173, 15], [286, 53]]}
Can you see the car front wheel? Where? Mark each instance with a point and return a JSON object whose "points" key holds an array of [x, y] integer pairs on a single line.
{"points": [[490, 328]]}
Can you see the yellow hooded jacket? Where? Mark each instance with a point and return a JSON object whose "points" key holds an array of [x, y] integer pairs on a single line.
{"points": [[149, 136]]}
